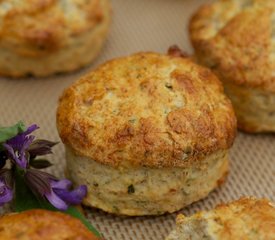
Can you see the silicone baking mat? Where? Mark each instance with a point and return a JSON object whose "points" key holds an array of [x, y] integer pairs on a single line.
{"points": [[141, 25]]}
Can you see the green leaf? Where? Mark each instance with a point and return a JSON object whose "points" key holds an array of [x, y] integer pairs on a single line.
{"points": [[26, 200], [7, 133], [73, 211]]}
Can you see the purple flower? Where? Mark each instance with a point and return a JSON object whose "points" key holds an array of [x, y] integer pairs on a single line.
{"points": [[57, 192], [6, 194], [38, 181], [18, 145], [61, 197], [40, 147]]}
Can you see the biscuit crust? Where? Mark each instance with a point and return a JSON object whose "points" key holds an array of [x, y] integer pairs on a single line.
{"points": [[254, 108], [41, 224], [247, 218], [41, 37], [147, 110], [236, 39]]}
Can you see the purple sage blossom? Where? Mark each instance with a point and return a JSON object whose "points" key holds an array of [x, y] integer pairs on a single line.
{"points": [[6, 193], [61, 197], [40, 147], [22, 150], [57, 192], [18, 145]]}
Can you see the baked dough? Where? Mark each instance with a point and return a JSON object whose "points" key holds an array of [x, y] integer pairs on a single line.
{"points": [[236, 39], [247, 218], [147, 134], [43, 37], [42, 224]]}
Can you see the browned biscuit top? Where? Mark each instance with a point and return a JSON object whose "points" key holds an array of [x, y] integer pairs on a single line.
{"points": [[42, 224], [147, 109], [39, 27], [247, 218], [236, 38]]}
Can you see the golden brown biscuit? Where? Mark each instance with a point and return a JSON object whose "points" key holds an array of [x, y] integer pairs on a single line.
{"points": [[42, 37], [246, 219], [236, 38], [147, 134], [42, 224]]}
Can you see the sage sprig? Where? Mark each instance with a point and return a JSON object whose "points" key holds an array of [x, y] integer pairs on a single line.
{"points": [[23, 181]]}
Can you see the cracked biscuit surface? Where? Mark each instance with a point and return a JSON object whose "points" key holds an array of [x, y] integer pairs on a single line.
{"points": [[138, 121], [236, 39], [247, 218], [42, 224], [43, 37]]}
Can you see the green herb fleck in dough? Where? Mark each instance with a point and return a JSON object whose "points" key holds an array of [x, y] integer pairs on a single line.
{"points": [[131, 189], [168, 85]]}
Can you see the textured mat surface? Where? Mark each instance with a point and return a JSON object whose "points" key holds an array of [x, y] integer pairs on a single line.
{"points": [[141, 25]]}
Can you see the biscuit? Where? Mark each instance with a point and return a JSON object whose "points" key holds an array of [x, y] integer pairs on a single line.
{"points": [[42, 224], [148, 133], [43, 37], [247, 218], [236, 39]]}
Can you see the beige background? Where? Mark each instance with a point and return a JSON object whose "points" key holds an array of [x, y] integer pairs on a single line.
{"points": [[141, 25]]}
